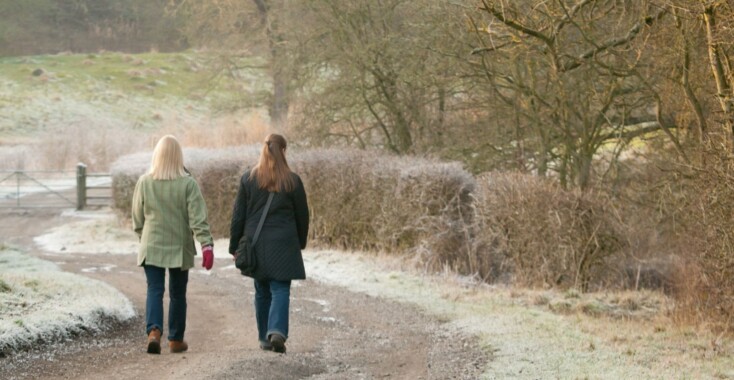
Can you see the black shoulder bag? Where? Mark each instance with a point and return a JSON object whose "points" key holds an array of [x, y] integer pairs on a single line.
{"points": [[246, 260]]}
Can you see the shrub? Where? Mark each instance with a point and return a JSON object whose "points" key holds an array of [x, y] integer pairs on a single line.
{"points": [[358, 200], [704, 279], [542, 235], [369, 201]]}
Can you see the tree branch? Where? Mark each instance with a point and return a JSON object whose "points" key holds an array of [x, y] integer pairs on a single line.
{"points": [[569, 15], [629, 132], [515, 25], [612, 43]]}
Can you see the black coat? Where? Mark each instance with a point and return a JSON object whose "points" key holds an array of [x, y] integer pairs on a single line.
{"points": [[283, 235]]}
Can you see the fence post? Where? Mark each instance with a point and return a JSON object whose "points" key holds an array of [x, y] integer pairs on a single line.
{"points": [[81, 186], [17, 188]]}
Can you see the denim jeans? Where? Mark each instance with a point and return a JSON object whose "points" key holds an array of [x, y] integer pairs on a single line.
{"points": [[272, 299], [177, 282]]}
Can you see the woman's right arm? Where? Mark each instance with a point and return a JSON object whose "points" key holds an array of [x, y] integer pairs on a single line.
{"points": [[138, 214], [239, 213]]}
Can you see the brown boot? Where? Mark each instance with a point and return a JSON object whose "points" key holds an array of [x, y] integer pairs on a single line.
{"points": [[154, 341], [278, 343], [177, 346]]}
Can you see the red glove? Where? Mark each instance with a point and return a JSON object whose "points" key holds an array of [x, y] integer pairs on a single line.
{"points": [[208, 259]]}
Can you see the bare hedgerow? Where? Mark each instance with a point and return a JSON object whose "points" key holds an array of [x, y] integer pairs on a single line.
{"points": [[373, 201], [543, 235], [704, 278], [358, 200]]}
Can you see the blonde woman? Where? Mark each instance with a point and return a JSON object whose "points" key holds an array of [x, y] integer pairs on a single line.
{"points": [[168, 211], [279, 245]]}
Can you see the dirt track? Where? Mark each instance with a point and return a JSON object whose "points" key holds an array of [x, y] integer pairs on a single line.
{"points": [[335, 334]]}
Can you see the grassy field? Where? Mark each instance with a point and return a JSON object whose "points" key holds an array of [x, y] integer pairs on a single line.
{"points": [[97, 106]]}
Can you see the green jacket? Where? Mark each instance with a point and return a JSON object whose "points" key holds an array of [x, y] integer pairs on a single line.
{"points": [[166, 213]]}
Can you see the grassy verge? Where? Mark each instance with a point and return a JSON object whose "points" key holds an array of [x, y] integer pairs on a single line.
{"points": [[538, 340], [40, 304]]}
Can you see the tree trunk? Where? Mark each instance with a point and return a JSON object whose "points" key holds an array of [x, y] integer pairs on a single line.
{"points": [[686, 84], [279, 102], [723, 86]]}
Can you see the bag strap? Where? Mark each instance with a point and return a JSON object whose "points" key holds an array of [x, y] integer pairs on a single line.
{"points": [[262, 219]]}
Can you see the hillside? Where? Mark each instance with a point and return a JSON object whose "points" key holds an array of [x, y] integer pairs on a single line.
{"points": [[55, 100]]}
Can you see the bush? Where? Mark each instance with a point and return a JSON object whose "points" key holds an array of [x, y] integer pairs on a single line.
{"points": [[358, 200], [704, 279], [508, 224], [368, 201], [542, 235]]}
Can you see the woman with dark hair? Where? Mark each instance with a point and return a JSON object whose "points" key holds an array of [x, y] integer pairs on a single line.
{"points": [[282, 237]]}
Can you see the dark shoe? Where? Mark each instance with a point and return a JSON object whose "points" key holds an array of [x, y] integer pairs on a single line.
{"points": [[278, 343], [154, 341], [266, 346], [177, 346]]}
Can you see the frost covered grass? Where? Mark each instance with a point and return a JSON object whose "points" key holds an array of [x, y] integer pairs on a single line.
{"points": [[100, 232], [531, 334], [41, 304], [51, 103], [532, 341], [103, 229], [110, 77]]}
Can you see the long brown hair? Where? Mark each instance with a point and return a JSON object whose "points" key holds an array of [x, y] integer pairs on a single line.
{"points": [[272, 171]]}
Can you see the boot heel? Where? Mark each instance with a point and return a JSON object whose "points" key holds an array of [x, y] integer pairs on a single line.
{"points": [[154, 341]]}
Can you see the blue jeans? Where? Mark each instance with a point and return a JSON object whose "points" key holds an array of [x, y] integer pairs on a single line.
{"points": [[272, 299], [177, 283]]}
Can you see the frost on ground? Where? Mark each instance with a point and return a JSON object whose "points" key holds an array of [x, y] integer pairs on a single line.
{"points": [[99, 232], [39, 303], [529, 342], [528, 334]]}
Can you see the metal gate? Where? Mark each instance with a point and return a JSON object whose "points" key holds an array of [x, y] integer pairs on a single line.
{"points": [[54, 189]]}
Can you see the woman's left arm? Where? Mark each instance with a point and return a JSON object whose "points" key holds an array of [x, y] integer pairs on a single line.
{"points": [[300, 208], [197, 214]]}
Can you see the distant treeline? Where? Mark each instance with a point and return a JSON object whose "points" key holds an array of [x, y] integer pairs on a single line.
{"points": [[31, 27]]}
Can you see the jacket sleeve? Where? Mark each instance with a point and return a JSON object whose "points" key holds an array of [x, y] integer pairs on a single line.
{"points": [[239, 216], [138, 213], [197, 214], [300, 208]]}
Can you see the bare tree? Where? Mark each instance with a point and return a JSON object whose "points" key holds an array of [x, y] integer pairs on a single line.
{"points": [[248, 27], [573, 69], [376, 80]]}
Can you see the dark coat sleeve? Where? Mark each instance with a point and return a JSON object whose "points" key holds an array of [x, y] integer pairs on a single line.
{"points": [[239, 216], [300, 208]]}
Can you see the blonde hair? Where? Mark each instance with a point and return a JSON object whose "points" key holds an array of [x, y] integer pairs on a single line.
{"points": [[272, 171], [167, 160]]}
